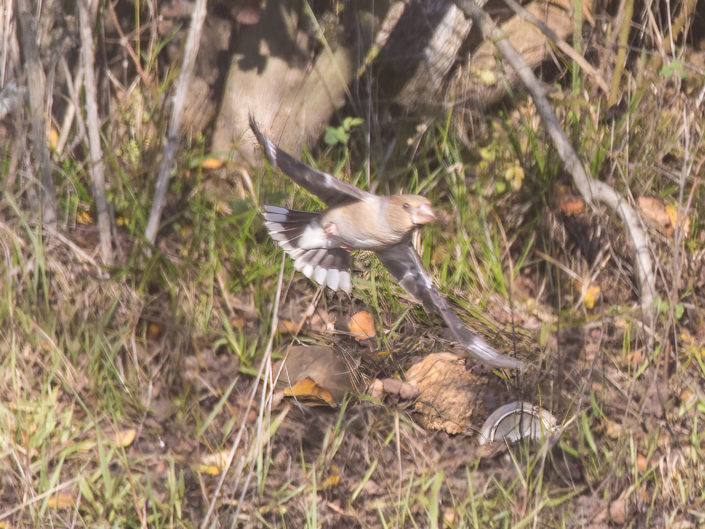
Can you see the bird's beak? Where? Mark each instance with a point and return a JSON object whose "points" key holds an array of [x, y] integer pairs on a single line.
{"points": [[423, 214]]}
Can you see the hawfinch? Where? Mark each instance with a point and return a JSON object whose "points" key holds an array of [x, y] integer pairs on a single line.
{"points": [[320, 242]]}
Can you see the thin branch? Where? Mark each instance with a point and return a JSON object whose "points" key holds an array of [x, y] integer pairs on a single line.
{"points": [[36, 84], [182, 84], [96, 168], [589, 188]]}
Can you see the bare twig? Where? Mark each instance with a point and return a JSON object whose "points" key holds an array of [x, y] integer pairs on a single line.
{"points": [[589, 188], [95, 166], [36, 84], [182, 84]]}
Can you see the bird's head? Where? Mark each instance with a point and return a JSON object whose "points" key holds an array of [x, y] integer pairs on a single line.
{"points": [[406, 212]]}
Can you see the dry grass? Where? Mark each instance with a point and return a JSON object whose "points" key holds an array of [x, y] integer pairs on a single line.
{"points": [[123, 390]]}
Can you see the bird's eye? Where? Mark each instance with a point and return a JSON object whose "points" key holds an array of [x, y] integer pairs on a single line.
{"points": [[406, 206]]}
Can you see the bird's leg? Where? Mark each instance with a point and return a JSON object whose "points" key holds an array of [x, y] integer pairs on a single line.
{"points": [[331, 230]]}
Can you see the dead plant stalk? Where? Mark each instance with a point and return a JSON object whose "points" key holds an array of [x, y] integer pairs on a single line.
{"points": [[96, 168], [589, 188], [172, 137]]}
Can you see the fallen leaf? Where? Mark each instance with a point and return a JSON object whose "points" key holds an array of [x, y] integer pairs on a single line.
{"points": [[686, 395], [327, 372], [53, 137], [333, 478], [642, 462], [636, 358], [61, 500], [287, 327], [362, 325], [214, 463], [592, 292], [125, 438], [684, 224], [447, 392], [571, 207], [568, 203], [237, 322], [154, 330], [311, 393], [211, 163], [655, 212], [84, 217]]}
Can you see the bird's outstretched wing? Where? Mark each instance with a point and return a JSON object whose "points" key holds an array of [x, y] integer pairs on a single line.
{"points": [[405, 264], [329, 189]]}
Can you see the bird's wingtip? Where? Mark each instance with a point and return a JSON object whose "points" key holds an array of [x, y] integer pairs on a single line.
{"points": [[270, 150], [487, 354]]}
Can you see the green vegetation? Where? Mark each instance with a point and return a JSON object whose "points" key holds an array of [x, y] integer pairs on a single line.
{"points": [[123, 391]]}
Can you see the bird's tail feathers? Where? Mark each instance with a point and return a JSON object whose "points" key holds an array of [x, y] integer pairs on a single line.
{"points": [[287, 226], [326, 266]]}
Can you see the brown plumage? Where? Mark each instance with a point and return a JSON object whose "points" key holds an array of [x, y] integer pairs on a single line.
{"points": [[320, 242]]}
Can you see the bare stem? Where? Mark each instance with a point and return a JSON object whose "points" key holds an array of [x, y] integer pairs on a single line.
{"points": [[96, 168], [36, 84], [182, 84], [589, 188]]}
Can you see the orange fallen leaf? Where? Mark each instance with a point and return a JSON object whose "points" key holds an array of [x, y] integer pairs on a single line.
{"points": [[362, 325], [214, 463], [84, 217], [571, 206], [686, 395], [125, 438], [154, 330], [212, 163], [568, 202], [655, 212], [286, 327], [237, 322], [333, 478], [53, 137], [321, 365], [636, 358], [61, 500], [684, 224], [311, 393], [591, 293], [642, 463], [590, 296]]}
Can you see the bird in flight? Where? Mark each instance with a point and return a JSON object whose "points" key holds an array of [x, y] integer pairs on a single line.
{"points": [[320, 242]]}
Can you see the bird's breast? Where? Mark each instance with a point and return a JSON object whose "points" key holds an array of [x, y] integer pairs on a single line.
{"points": [[361, 226]]}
